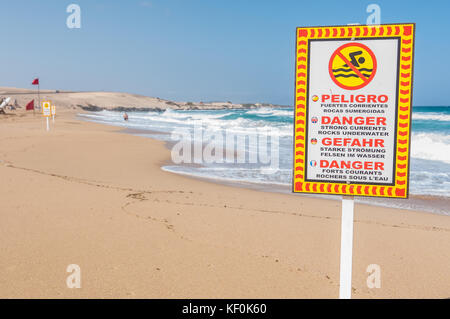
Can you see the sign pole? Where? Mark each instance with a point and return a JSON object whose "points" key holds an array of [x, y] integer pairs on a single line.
{"points": [[47, 112], [53, 111], [347, 218], [345, 284]]}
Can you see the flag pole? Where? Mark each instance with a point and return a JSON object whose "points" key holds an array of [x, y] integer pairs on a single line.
{"points": [[39, 94]]}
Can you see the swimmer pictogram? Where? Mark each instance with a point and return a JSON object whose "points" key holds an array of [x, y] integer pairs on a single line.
{"points": [[352, 66]]}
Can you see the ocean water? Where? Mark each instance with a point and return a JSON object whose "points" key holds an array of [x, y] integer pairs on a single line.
{"points": [[430, 150]]}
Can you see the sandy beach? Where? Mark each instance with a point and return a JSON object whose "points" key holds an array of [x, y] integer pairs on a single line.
{"points": [[92, 195]]}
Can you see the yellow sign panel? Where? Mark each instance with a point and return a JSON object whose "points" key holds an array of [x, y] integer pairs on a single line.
{"points": [[353, 110], [53, 109], [46, 108]]}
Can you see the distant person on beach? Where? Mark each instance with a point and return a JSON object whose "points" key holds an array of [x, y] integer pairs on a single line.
{"points": [[125, 117]]}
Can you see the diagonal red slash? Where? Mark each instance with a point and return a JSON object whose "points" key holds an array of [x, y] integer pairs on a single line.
{"points": [[352, 66]]}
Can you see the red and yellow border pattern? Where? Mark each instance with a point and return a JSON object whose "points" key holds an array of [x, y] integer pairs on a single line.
{"points": [[406, 34], [45, 105]]}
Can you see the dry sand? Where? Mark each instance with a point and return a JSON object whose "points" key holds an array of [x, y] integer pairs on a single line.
{"points": [[91, 195]]}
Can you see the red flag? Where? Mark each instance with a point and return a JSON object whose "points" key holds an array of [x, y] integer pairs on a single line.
{"points": [[35, 81], [30, 105]]}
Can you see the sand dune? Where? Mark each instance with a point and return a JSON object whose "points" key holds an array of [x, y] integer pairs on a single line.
{"points": [[110, 100]]}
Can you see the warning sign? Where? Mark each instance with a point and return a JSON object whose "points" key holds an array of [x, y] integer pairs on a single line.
{"points": [[352, 66], [46, 108], [353, 110]]}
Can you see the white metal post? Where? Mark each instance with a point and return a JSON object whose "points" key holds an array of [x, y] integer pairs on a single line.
{"points": [[48, 127], [345, 276], [345, 285]]}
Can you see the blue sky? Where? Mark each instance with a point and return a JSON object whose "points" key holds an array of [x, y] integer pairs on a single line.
{"points": [[198, 50]]}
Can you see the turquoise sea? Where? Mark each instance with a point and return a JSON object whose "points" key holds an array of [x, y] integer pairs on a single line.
{"points": [[430, 150]]}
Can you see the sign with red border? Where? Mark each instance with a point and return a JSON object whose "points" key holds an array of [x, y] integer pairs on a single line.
{"points": [[353, 99], [46, 108]]}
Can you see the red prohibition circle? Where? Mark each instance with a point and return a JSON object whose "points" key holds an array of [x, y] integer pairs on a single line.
{"points": [[367, 81]]}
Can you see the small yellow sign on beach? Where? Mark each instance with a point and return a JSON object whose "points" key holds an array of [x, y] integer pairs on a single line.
{"points": [[53, 110], [353, 108], [47, 108]]}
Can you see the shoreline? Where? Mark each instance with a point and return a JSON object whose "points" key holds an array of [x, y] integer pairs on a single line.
{"points": [[426, 201], [432, 204], [429, 203], [83, 194]]}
